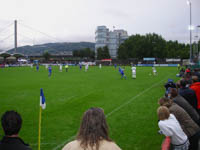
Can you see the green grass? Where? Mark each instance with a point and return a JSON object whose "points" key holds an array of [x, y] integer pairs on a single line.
{"points": [[130, 105]]}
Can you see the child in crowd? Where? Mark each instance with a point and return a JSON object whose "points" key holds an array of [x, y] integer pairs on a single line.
{"points": [[169, 126]]}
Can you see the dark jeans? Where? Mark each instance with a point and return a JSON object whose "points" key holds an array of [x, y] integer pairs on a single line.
{"points": [[194, 141]]}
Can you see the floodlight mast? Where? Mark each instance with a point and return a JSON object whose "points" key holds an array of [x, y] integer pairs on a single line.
{"points": [[190, 28], [198, 40]]}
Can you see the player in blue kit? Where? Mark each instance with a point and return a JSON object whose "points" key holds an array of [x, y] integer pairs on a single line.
{"points": [[80, 66], [37, 67], [122, 73], [115, 66], [50, 71], [120, 70]]}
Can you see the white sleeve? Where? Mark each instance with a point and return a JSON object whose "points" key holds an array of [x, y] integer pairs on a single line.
{"points": [[166, 131]]}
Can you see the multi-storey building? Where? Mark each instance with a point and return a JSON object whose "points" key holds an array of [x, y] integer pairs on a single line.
{"points": [[112, 39]]}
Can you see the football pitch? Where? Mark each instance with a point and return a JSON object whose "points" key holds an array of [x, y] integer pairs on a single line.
{"points": [[130, 105]]}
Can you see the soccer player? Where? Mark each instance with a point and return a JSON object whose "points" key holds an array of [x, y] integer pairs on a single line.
{"points": [[80, 66], [60, 67], [115, 66], [178, 66], [99, 66], [50, 71], [154, 71], [47, 66], [122, 74], [37, 67], [31, 65], [119, 69], [66, 67], [86, 67], [133, 72]]}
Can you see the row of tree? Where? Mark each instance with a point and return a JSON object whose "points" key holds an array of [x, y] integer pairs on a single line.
{"points": [[85, 53], [152, 45], [102, 53]]}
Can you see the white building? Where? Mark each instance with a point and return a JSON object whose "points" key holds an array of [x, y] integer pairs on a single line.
{"points": [[112, 39]]}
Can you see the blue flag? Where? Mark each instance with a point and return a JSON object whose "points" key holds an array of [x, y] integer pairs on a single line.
{"points": [[42, 99]]}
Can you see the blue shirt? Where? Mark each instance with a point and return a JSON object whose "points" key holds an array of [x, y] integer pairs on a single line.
{"points": [[122, 72], [50, 69]]}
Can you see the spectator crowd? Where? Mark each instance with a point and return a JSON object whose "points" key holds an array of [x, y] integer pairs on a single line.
{"points": [[179, 112]]}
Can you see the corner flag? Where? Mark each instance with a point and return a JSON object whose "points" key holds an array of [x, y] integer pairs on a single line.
{"points": [[42, 106], [42, 99]]}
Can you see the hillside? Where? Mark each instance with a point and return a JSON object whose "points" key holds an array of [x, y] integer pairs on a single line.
{"points": [[53, 48]]}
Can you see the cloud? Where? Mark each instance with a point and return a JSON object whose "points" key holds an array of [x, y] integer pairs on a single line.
{"points": [[76, 20]]}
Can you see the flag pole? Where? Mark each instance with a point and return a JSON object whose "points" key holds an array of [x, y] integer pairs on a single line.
{"points": [[39, 130]]}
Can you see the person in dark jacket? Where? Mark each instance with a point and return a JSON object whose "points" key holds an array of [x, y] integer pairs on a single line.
{"points": [[188, 94], [196, 73], [11, 122], [179, 100]]}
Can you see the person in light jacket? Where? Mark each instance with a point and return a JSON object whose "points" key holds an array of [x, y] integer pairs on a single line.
{"points": [[93, 133], [170, 127]]}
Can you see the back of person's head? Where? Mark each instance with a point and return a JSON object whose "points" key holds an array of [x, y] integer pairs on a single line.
{"points": [[178, 84], [163, 113], [11, 122], [183, 83], [173, 92], [93, 128], [164, 101], [195, 79], [188, 75]]}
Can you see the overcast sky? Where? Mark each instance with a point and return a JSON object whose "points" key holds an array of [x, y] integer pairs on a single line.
{"points": [[76, 20]]}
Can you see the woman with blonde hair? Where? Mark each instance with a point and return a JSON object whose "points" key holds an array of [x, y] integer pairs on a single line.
{"points": [[93, 133], [169, 126]]}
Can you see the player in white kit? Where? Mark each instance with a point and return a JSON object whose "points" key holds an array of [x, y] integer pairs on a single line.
{"points": [[154, 71], [133, 72], [86, 67], [61, 66]]}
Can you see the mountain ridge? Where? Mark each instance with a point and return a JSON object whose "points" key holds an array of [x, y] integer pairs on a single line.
{"points": [[53, 48]]}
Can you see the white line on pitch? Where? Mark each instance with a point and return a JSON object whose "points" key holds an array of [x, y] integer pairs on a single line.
{"points": [[130, 100]]}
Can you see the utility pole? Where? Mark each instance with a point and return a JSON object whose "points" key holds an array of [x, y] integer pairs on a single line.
{"points": [[15, 42]]}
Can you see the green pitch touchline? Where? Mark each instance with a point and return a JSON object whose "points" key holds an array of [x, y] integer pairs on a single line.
{"points": [[116, 109]]}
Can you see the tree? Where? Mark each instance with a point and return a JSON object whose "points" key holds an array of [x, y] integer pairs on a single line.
{"points": [[151, 45], [103, 53], [46, 55], [122, 53], [87, 53], [106, 53], [99, 53]]}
